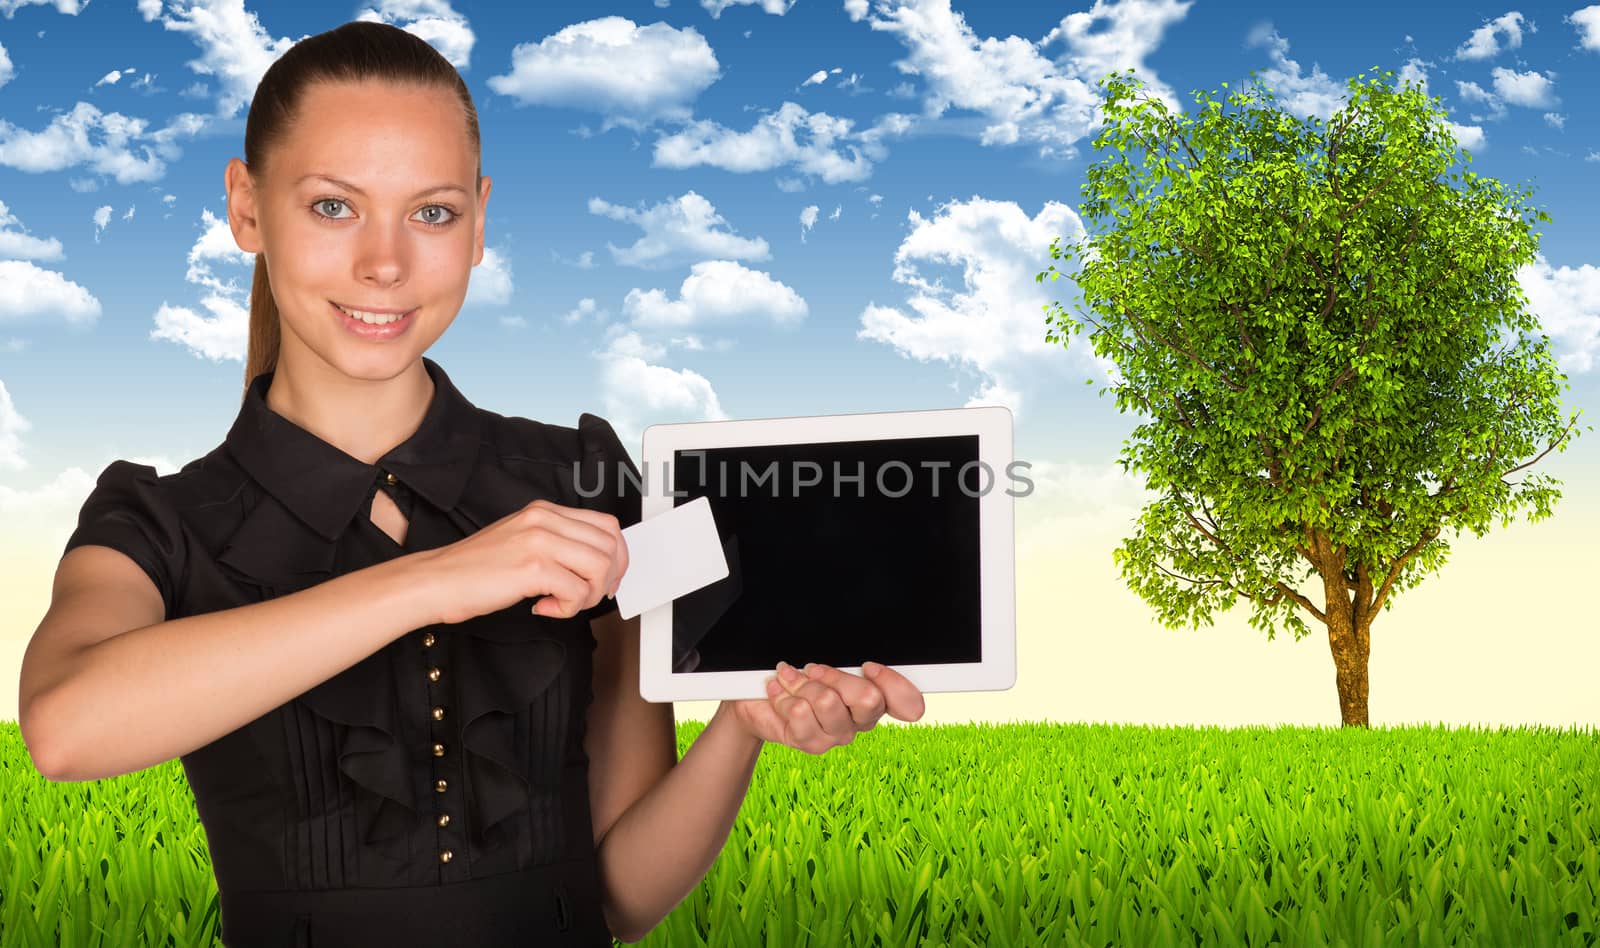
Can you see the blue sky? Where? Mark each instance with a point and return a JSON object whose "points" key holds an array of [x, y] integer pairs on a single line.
{"points": [[705, 209]]}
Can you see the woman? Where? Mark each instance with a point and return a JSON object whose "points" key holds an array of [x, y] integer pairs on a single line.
{"points": [[375, 623]]}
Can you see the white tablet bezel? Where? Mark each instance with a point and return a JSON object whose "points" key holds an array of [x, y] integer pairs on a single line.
{"points": [[997, 550]]}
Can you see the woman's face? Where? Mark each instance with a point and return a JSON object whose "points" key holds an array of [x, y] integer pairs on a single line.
{"points": [[367, 204]]}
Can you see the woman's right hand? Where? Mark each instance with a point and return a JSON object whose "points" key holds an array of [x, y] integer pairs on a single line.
{"points": [[569, 556]]}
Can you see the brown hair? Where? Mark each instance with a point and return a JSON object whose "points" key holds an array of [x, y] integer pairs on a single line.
{"points": [[355, 52]]}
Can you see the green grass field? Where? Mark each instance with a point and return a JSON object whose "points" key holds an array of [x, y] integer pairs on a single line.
{"points": [[1021, 834]]}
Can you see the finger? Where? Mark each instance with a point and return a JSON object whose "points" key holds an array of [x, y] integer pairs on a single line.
{"points": [[607, 524], [566, 593], [904, 698], [829, 708], [864, 700], [585, 549], [768, 723], [800, 725]]}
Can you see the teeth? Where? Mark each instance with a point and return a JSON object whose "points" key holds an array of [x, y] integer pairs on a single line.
{"points": [[375, 319]]}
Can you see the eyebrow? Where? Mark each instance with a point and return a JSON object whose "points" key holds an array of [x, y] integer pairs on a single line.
{"points": [[350, 187]]}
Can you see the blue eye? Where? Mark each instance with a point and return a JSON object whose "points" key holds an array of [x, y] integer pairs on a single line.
{"points": [[439, 207], [324, 202]]}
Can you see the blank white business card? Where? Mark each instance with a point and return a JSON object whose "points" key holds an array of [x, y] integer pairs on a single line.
{"points": [[670, 555]]}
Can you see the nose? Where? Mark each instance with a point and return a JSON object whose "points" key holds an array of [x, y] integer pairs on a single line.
{"points": [[381, 255]]}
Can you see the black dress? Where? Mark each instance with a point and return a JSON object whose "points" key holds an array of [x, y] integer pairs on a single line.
{"points": [[434, 793]]}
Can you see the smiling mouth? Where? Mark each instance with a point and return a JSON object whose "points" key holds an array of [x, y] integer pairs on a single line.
{"points": [[377, 317]]}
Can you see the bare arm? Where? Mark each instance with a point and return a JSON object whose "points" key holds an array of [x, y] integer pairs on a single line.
{"points": [[97, 701]]}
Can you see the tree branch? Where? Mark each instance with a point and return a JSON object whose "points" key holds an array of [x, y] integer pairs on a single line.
{"points": [[1394, 571]]}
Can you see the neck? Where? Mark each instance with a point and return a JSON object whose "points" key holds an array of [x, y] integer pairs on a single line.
{"points": [[364, 418]]}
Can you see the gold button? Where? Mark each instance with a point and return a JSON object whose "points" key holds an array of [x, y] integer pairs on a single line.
{"points": [[441, 786], [444, 819], [438, 714], [389, 478], [427, 640], [446, 855], [438, 750], [433, 674]]}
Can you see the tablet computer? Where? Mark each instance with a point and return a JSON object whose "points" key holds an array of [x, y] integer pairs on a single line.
{"points": [[884, 537]]}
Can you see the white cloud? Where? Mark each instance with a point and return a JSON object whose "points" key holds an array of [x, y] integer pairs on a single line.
{"points": [[1114, 36], [431, 20], [68, 141], [636, 391], [808, 220], [612, 65], [490, 280], [1023, 95], [1302, 95], [1555, 119], [1592, 156], [111, 78], [16, 242], [716, 291], [12, 427], [1567, 302], [7, 71], [837, 210], [216, 243], [128, 216], [775, 7], [677, 231], [583, 261], [814, 143], [994, 323], [27, 291], [585, 310], [857, 9], [224, 333], [1484, 41], [1469, 137], [1415, 70], [820, 76], [102, 218], [169, 199], [1587, 23], [1530, 89], [233, 47], [1474, 93], [149, 9], [68, 7]]}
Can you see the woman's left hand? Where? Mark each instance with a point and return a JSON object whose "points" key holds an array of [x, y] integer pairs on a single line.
{"points": [[824, 707]]}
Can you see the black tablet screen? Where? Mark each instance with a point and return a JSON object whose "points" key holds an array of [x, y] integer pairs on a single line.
{"points": [[839, 553]]}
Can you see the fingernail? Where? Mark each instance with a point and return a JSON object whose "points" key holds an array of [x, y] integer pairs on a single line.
{"points": [[809, 667], [787, 672], [772, 684], [870, 669]]}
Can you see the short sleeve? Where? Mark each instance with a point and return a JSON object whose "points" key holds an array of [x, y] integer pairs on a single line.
{"points": [[607, 463], [128, 512]]}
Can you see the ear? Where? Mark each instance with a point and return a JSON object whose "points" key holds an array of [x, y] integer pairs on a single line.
{"points": [[483, 204], [242, 206]]}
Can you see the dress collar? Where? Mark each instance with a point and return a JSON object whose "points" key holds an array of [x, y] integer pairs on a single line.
{"points": [[324, 487]]}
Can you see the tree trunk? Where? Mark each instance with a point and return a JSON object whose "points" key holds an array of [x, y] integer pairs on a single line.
{"points": [[1351, 645]]}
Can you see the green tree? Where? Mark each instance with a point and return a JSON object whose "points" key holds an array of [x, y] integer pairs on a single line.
{"points": [[1323, 326]]}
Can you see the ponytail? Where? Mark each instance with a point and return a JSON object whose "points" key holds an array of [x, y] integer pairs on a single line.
{"points": [[261, 352]]}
